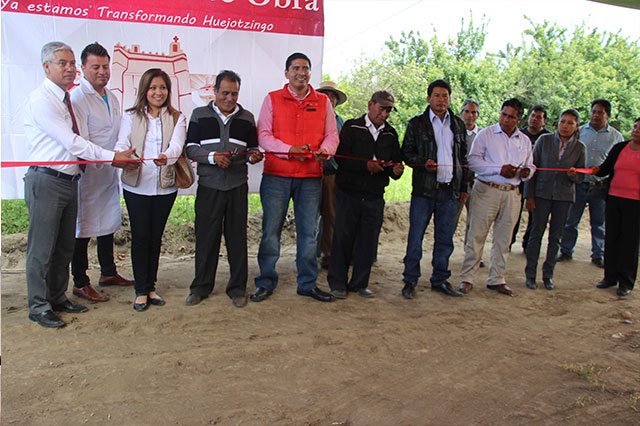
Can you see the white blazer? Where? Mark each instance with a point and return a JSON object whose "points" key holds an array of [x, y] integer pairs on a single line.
{"points": [[99, 186]]}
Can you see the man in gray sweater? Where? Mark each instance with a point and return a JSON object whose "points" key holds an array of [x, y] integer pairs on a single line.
{"points": [[222, 138]]}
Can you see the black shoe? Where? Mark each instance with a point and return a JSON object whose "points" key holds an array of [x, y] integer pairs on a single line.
{"points": [[548, 283], [260, 294], [140, 307], [156, 301], [531, 283], [623, 291], [317, 294], [339, 294], [445, 288], [606, 284], [363, 292], [69, 307], [239, 301], [598, 262], [47, 319], [562, 257], [408, 291], [193, 299]]}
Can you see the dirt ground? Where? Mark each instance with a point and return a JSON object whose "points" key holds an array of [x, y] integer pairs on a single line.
{"points": [[568, 356]]}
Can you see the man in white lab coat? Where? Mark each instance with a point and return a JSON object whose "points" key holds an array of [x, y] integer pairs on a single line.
{"points": [[98, 115]]}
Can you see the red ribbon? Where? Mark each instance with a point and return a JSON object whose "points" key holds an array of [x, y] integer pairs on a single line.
{"points": [[306, 155]]}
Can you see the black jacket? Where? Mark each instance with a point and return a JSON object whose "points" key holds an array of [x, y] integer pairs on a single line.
{"points": [[419, 145], [606, 168], [356, 141]]}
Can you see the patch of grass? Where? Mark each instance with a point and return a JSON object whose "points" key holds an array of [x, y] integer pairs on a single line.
{"points": [[15, 217], [254, 203], [399, 190], [581, 370], [183, 210]]}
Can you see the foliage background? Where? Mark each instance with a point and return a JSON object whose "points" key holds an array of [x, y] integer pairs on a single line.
{"points": [[553, 66]]}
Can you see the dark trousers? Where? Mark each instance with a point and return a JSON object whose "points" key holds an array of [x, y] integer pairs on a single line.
{"points": [[358, 223], [52, 203], [621, 238], [558, 210], [80, 261], [328, 212], [218, 212], [148, 215]]}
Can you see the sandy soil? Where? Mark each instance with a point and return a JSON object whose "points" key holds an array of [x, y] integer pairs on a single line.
{"points": [[542, 357]]}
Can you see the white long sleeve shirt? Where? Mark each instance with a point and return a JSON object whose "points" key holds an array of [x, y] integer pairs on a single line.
{"points": [[492, 149], [48, 128]]}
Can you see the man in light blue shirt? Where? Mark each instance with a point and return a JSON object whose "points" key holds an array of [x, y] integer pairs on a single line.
{"points": [[434, 142], [598, 138], [501, 157]]}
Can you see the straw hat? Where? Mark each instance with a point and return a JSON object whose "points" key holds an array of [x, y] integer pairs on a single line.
{"points": [[330, 86]]}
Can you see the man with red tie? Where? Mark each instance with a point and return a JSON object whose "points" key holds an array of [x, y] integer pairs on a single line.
{"points": [[51, 192]]}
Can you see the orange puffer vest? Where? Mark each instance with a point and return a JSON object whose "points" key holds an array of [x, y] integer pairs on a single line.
{"points": [[297, 124]]}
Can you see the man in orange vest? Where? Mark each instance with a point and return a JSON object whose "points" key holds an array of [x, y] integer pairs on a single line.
{"points": [[299, 124]]}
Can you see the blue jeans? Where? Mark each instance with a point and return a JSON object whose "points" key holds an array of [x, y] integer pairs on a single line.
{"points": [[422, 208], [275, 193], [596, 197]]}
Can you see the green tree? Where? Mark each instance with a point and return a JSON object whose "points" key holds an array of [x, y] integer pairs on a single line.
{"points": [[552, 66]]}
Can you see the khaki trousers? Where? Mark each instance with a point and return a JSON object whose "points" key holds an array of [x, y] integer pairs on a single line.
{"points": [[489, 206]]}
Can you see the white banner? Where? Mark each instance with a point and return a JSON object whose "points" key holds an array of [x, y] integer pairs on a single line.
{"points": [[190, 40]]}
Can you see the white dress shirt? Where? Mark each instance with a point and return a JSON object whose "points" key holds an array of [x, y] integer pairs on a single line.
{"points": [[224, 119], [375, 131], [48, 128], [444, 141], [492, 149], [149, 182]]}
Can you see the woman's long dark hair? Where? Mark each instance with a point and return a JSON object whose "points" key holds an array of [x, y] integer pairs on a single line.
{"points": [[143, 87]]}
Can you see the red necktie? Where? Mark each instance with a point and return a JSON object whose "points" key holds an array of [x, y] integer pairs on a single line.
{"points": [[67, 102]]}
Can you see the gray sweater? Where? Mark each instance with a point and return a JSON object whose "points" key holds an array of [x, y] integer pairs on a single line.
{"points": [[554, 185]]}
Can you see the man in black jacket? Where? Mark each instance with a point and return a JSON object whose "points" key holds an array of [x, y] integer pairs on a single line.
{"points": [[217, 133], [373, 145], [434, 145]]}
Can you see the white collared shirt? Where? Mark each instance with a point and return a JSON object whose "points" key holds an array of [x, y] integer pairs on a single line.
{"points": [[473, 131], [149, 182], [48, 128], [444, 141], [375, 131], [225, 119], [492, 149]]}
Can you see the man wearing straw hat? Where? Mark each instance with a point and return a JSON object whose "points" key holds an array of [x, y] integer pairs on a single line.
{"points": [[329, 167]]}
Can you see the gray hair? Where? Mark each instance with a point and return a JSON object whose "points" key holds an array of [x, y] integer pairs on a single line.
{"points": [[467, 102], [48, 50]]}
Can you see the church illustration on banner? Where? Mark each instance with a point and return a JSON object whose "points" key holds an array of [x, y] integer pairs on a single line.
{"points": [[187, 90]]}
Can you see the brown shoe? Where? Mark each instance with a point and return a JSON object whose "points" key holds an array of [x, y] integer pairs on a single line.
{"points": [[501, 288], [90, 293], [465, 287], [117, 279]]}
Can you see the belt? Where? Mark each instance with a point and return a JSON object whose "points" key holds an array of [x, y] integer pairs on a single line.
{"points": [[503, 187], [54, 173], [443, 185], [598, 183]]}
